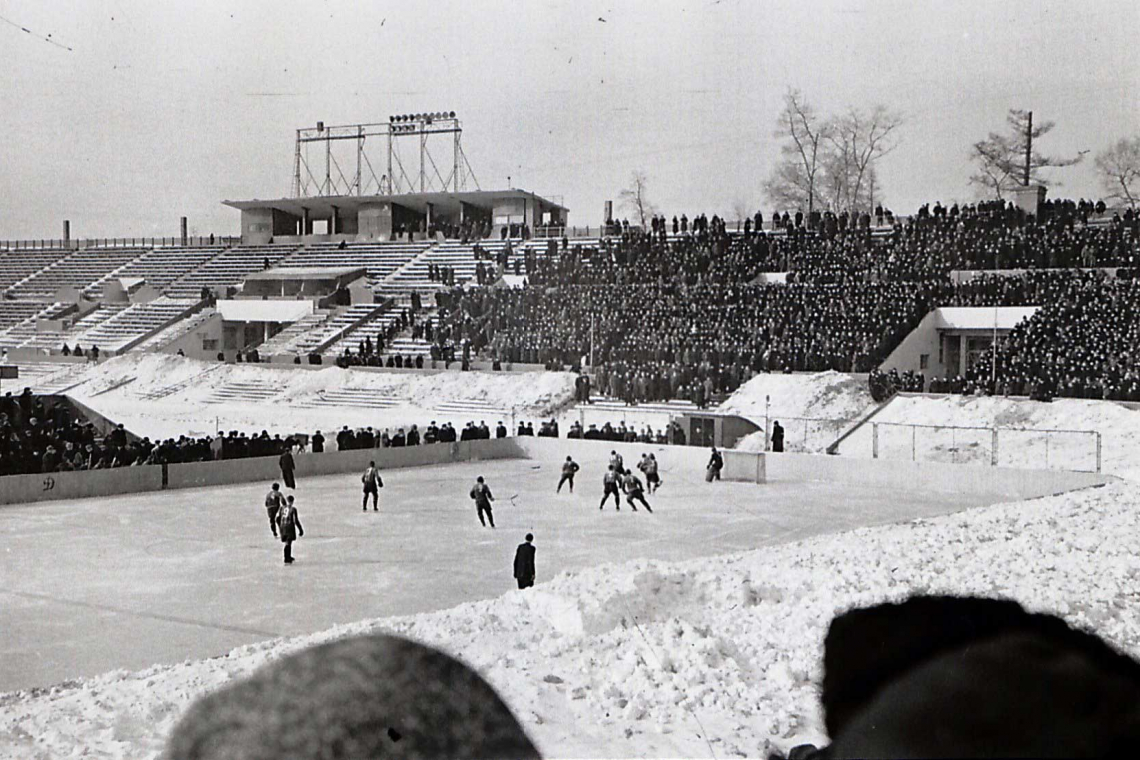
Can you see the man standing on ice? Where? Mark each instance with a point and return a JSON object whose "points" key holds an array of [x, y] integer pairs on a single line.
{"points": [[481, 493], [287, 467], [524, 563], [372, 483], [274, 500], [289, 527], [610, 484], [569, 467]]}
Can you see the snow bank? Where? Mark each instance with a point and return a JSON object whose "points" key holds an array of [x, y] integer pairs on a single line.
{"points": [[813, 408], [672, 659], [185, 385], [1119, 427]]}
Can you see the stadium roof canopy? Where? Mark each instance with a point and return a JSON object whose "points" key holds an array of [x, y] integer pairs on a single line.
{"points": [[320, 206]]}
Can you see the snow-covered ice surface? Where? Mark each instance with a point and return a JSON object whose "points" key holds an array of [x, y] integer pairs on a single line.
{"points": [[713, 655]]}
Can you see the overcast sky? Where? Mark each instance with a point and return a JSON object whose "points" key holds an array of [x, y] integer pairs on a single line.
{"points": [[163, 109]]}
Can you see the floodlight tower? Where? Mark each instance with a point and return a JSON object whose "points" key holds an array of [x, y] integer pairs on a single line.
{"points": [[425, 126]]}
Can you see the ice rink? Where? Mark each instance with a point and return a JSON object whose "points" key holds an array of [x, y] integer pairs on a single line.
{"points": [[125, 582]]}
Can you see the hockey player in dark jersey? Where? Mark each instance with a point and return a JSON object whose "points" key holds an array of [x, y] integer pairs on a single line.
{"points": [[481, 493], [610, 483], [274, 500], [648, 465], [634, 491], [569, 467]]}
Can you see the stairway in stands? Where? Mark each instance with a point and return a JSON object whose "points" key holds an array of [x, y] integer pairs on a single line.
{"points": [[364, 398]]}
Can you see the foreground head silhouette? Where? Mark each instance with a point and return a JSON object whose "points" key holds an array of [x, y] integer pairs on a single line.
{"points": [[970, 677], [375, 696]]}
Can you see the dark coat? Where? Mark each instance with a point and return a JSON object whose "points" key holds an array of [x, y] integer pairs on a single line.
{"points": [[524, 561], [286, 462]]}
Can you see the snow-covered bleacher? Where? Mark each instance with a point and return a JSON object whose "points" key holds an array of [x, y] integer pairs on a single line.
{"points": [[379, 259], [228, 268], [17, 265], [160, 267], [79, 270]]}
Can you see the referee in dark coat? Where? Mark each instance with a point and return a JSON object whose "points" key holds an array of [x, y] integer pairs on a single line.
{"points": [[524, 563], [287, 468]]}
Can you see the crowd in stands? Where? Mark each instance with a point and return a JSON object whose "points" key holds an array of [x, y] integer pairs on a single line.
{"points": [[1081, 343]]}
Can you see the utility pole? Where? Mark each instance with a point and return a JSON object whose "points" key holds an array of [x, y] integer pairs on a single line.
{"points": [[1028, 146]]}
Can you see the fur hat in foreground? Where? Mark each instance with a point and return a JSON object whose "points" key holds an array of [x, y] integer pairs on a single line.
{"points": [[375, 696]]}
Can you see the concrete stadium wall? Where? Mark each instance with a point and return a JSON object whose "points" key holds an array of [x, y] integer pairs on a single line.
{"points": [[24, 489]]}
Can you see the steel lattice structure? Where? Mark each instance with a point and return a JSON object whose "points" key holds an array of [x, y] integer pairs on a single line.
{"points": [[431, 129]]}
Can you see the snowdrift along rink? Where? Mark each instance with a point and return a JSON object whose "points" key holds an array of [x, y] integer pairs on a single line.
{"points": [[122, 389], [813, 408], [718, 656], [1118, 425]]}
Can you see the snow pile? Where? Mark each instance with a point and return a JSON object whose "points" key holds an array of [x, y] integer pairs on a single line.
{"points": [[295, 402], [714, 656], [813, 408], [1118, 425]]}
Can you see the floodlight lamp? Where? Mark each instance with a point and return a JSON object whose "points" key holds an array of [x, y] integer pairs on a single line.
{"points": [[453, 114]]}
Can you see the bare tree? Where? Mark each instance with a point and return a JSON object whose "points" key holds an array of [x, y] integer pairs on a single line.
{"points": [[1119, 169], [792, 183], [829, 161], [1009, 160], [742, 210], [634, 197], [858, 139]]}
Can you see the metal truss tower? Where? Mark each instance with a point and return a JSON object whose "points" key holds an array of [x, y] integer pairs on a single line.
{"points": [[324, 174]]}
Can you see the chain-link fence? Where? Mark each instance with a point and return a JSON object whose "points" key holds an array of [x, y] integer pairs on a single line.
{"points": [[1035, 448]]}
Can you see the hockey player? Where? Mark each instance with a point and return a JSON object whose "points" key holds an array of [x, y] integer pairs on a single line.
{"points": [[610, 484], [289, 527], [648, 466], [616, 462], [634, 491], [481, 493], [372, 483], [274, 500], [569, 467], [716, 464]]}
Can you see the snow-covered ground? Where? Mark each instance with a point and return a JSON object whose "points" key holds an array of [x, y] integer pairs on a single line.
{"points": [[288, 408], [718, 656], [814, 409], [1022, 441]]}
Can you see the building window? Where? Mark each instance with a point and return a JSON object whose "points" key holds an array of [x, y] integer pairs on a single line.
{"points": [[209, 344], [923, 361]]}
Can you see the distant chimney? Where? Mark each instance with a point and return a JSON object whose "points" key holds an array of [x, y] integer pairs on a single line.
{"points": [[184, 239], [66, 231], [609, 211]]}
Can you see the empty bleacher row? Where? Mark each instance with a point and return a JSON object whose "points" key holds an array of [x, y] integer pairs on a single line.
{"points": [[228, 269], [78, 269], [160, 267], [379, 259]]}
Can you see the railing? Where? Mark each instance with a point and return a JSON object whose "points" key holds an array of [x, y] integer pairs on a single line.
{"points": [[132, 242], [1047, 448]]}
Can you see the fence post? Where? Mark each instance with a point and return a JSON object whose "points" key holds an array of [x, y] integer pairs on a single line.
{"points": [[1098, 452], [874, 440], [994, 448]]}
